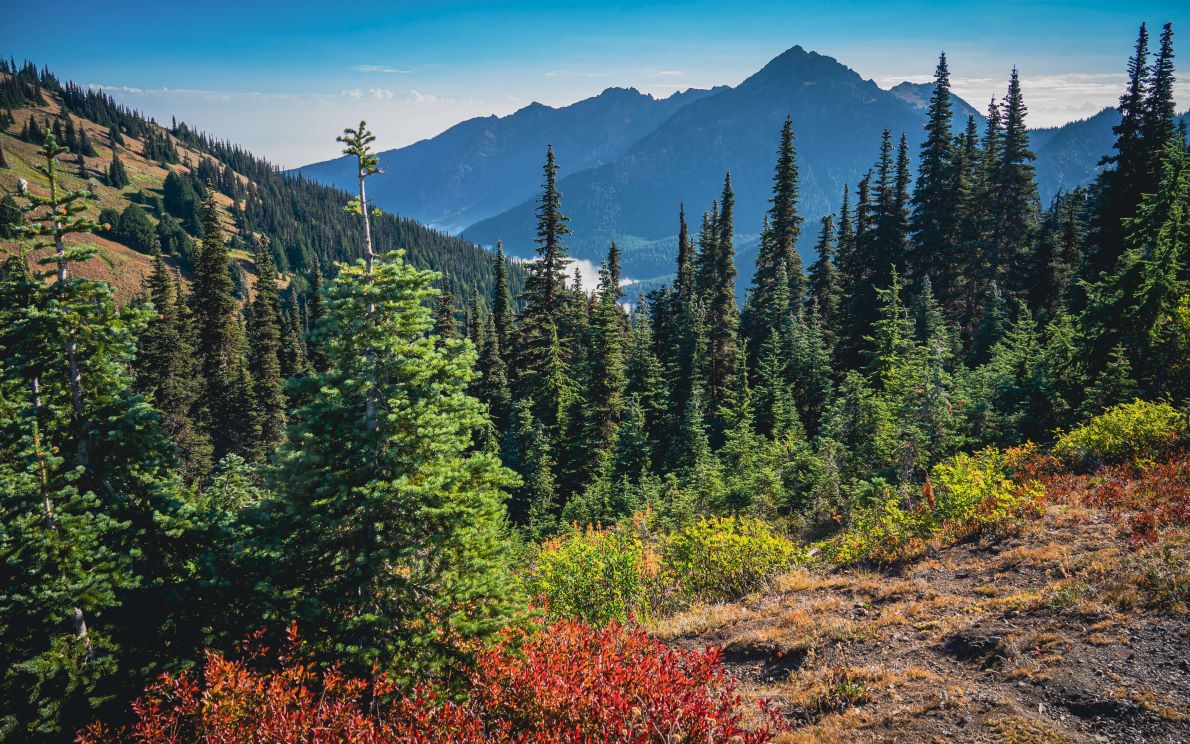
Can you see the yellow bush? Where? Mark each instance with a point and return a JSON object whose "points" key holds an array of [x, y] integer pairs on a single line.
{"points": [[1121, 433], [725, 558]]}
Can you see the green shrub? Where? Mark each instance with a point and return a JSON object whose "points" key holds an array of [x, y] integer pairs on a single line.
{"points": [[1123, 432], [627, 571], [884, 532], [974, 493], [596, 575], [969, 493], [724, 558]]}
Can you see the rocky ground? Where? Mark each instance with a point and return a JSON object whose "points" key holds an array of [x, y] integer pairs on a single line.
{"points": [[1068, 630]]}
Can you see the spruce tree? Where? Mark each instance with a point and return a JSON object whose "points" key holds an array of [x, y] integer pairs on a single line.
{"points": [[390, 534], [264, 356]]}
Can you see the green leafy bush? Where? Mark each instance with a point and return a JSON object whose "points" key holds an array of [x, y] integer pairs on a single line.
{"points": [[1123, 432], [596, 575], [966, 494], [973, 492], [725, 558], [884, 532], [628, 570]]}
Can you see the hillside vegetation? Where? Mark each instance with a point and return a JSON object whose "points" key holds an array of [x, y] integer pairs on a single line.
{"points": [[302, 223]]}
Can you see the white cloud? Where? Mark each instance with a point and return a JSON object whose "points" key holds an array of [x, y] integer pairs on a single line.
{"points": [[381, 94], [1052, 99], [665, 73], [353, 93], [381, 68]]}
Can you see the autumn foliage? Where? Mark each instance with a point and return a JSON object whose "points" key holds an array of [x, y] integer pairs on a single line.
{"points": [[571, 683]]}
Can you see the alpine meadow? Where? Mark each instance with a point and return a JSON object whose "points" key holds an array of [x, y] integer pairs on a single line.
{"points": [[841, 411]]}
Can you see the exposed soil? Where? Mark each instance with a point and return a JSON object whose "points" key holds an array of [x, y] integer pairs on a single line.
{"points": [[1000, 640]]}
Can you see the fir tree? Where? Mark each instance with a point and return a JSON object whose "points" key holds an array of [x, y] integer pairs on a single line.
{"points": [[228, 415], [87, 502], [389, 534], [722, 314], [892, 334], [778, 259], [294, 360], [1119, 184], [646, 378], [1157, 128], [824, 297], [492, 387], [992, 326], [1014, 198], [357, 143], [445, 326], [934, 199], [117, 177], [501, 300], [527, 452], [166, 370], [314, 313], [12, 218], [606, 374], [545, 296], [810, 371], [264, 356]]}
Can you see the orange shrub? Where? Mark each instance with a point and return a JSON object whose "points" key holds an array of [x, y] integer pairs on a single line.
{"points": [[569, 684]]}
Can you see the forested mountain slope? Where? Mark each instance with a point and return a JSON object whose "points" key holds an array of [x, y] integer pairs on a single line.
{"points": [[483, 166], [164, 171]]}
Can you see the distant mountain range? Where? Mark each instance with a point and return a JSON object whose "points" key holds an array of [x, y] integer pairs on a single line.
{"points": [[627, 160]]}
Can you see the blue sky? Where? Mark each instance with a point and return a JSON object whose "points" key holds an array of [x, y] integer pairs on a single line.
{"points": [[284, 78]]}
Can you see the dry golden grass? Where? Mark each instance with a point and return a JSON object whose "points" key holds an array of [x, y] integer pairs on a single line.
{"points": [[119, 265], [699, 619], [1022, 730]]}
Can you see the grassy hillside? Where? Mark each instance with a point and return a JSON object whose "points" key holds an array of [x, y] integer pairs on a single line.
{"points": [[118, 264], [302, 221]]}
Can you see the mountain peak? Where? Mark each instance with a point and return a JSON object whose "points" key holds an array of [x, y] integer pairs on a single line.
{"points": [[798, 65]]}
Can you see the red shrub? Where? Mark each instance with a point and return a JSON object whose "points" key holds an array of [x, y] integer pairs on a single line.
{"points": [[1147, 497], [569, 684]]}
